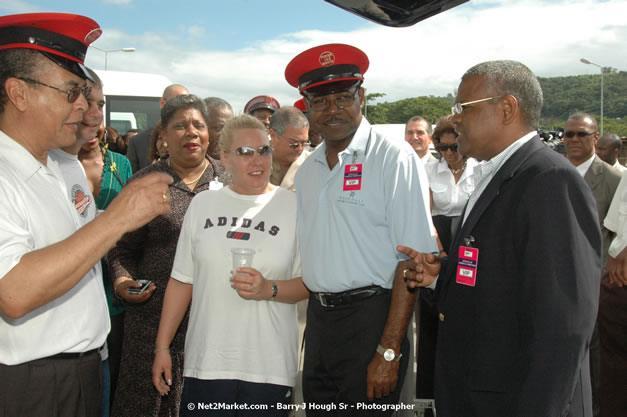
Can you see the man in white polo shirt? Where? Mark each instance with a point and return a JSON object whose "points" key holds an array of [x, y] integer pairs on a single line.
{"points": [[53, 314]]}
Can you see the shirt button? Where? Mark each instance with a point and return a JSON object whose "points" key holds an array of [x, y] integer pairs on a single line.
{"points": [[441, 317]]}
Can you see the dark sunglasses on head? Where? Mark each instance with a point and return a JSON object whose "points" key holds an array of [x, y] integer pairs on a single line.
{"points": [[248, 151], [580, 135], [443, 147]]}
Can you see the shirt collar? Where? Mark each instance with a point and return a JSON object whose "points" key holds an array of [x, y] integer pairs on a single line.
{"points": [[583, 168], [494, 164], [17, 157], [358, 143]]}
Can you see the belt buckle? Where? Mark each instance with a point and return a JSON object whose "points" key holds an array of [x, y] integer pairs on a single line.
{"points": [[322, 301]]}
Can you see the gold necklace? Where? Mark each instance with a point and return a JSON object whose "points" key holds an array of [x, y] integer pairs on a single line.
{"points": [[195, 179], [458, 170]]}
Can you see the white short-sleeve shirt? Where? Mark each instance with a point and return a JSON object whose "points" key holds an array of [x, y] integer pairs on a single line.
{"points": [[36, 213]]}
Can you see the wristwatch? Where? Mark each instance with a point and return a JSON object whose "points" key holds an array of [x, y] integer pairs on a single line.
{"points": [[388, 354]]}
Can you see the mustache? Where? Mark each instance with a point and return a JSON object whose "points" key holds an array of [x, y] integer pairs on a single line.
{"points": [[333, 119]]}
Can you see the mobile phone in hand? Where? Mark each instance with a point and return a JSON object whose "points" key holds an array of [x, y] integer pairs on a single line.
{"points": [[138, 290]]}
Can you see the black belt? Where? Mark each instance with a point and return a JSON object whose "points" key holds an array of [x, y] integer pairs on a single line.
{"points": [[334, 299], [73, 355]]}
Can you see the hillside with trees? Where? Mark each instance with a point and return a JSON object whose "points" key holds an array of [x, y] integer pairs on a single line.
{"points": [[562, 97]]}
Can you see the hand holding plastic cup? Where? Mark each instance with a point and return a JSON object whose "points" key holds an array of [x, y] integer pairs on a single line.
{"points": [[242, 257]]}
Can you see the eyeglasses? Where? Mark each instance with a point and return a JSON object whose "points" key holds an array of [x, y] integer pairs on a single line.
{"points": [[72, 93], [323, 103], [296, 145], [248, 152], [580, 135], [458, 108], [443, 147]]}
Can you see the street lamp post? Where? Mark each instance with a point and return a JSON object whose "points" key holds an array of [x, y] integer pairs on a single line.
{"points": [[603, 70], [106, 52]]}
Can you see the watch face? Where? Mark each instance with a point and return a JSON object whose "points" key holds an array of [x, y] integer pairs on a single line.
{"points": [[388, 355]]}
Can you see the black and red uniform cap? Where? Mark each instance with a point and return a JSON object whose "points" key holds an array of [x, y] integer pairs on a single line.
{"points": [[262, 102], [300, 105], [61, 37], [327, 69]]}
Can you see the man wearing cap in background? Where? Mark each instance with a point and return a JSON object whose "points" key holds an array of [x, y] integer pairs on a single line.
{"points": [[262, 108], [359, 196], [315, 138], [138, 151], [53, 314], [289, 134]]}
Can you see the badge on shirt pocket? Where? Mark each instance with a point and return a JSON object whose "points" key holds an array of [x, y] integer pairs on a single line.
{"points": [[467, 266], [352, 177]]}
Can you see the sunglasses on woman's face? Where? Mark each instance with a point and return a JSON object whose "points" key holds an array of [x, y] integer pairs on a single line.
{"points": [[443, 147], [249, 152]]}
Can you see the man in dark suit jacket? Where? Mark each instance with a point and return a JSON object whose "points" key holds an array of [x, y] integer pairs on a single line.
{"points": [[580, 138], [139, 146], [518, 298]]}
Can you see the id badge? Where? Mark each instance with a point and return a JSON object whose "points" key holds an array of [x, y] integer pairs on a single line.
{"points": [[467, 266], [215, 185], [352, 177]]}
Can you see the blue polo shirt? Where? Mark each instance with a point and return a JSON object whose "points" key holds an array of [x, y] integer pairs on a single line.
{"points": [[348, 237]]}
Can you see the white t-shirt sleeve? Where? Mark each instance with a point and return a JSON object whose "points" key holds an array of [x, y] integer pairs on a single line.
{"points": [[183, 267]]}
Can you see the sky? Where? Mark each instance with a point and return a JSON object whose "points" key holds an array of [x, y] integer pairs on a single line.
{"points": [[237, 49]]}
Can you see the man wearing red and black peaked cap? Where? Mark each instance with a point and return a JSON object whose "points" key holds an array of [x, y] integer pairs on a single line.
{"points": [[262, 108], [359, 196], [53, 312]]}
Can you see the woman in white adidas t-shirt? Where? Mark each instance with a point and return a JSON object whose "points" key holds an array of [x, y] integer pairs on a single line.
{"points": [[241, 345]]}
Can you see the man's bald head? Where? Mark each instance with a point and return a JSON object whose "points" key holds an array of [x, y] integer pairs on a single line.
{"points": [[586, 118], [172, 91]]}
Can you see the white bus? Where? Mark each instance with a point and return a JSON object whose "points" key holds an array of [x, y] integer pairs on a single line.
{"points": [[132, 99]]}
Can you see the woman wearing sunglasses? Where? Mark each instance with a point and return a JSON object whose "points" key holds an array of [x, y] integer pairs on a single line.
{"points": [[148, 254], [450, 181], [241, 345]]}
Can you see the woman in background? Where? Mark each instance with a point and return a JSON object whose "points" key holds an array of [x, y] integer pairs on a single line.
{"points": [[107, 172], [450, 186]]}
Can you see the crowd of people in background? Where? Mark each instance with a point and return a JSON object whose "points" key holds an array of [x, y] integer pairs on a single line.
{"points": [[497, 250]]}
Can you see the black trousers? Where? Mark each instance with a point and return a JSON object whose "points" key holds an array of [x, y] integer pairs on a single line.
{"points": [[216, 397], [52, 387], [340, 342]]}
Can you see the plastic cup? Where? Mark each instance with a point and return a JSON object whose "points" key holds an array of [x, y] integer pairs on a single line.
{"points": [[242, 257]]}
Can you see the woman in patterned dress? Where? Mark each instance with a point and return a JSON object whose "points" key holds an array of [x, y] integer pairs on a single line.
{"points": [[148, 253]]}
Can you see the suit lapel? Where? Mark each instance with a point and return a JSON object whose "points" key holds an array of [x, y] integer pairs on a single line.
{"points": [[491, 192], [593, 177]]}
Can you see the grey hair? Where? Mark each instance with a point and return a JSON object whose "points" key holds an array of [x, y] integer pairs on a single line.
{"points": [[244, 121], [420, 119], [182, 102], [288, 116], [512, 78], [217, 102], [17, 63]]}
